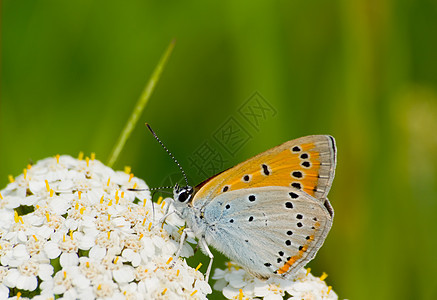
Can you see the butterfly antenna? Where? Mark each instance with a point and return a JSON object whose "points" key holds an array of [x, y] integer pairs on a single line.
{"points": [[168, 152], [153, 189], [161, 188]]}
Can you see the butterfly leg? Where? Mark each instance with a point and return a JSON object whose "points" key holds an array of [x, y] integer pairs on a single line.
{"points": [[181, 244], [162, 220], [204, 245], [166, 214]]}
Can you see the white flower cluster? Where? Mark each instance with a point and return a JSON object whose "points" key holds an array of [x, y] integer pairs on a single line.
{"points": [[70, 229], [238, 284]]}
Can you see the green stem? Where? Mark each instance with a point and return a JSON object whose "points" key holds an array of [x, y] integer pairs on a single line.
{"points": [[139, 107]]}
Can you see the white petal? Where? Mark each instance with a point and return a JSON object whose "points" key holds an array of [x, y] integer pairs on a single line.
{"points": [[52, 250], [158, 242], [4, 291], [45, 271], [30, 283], [230, 293], [59, 289], [29, 200], [218, 274], [71, 224], [121, 222], [261, 289], [5, 259], [203, 286], [120, 177], [147, 253], [10, 236], [47, 286], [128, 254], [71, 294], [13, 202], [36, 221], [272, 296], [87, 293], [66, 185], [97, 253], [45, 231], [11, 279], [44, 297], [22, 237], [95, 195], [169, 248], [81, 281], [220, 284], [20, 281], [124, 275], [86, 242], [136, 260], [20, 252], [236, 278], [151, 284], [60, 205], [69, 259]]}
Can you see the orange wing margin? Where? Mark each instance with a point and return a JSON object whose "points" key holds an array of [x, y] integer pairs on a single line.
{"points": [[306, 163]]}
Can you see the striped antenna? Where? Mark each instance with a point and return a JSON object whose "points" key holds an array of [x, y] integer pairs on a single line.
{"points": [[152, 189], [168, 152]]}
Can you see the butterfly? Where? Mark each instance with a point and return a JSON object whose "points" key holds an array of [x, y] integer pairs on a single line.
{"points": [[270, 214]]}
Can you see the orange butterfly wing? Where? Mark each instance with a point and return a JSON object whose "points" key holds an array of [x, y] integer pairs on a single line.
{"points": [[307, 163]]}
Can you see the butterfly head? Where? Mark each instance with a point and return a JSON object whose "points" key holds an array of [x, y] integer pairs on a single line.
{"points": [[182, 194]]}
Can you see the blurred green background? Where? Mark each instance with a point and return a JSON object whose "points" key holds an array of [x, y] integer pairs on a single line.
{"points": [[362, 71]]}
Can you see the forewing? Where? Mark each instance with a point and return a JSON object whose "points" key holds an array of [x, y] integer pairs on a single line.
{"points": [[270, 231], [306, 163]]}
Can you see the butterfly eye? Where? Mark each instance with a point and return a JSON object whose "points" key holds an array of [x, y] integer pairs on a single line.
{"points": [[185, 194]]}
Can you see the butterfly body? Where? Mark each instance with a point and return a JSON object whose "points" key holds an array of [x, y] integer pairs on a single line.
{"points": [[270, 213]]}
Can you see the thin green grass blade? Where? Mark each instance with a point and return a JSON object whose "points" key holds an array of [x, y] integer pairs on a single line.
{"points": [[139, 107]]}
